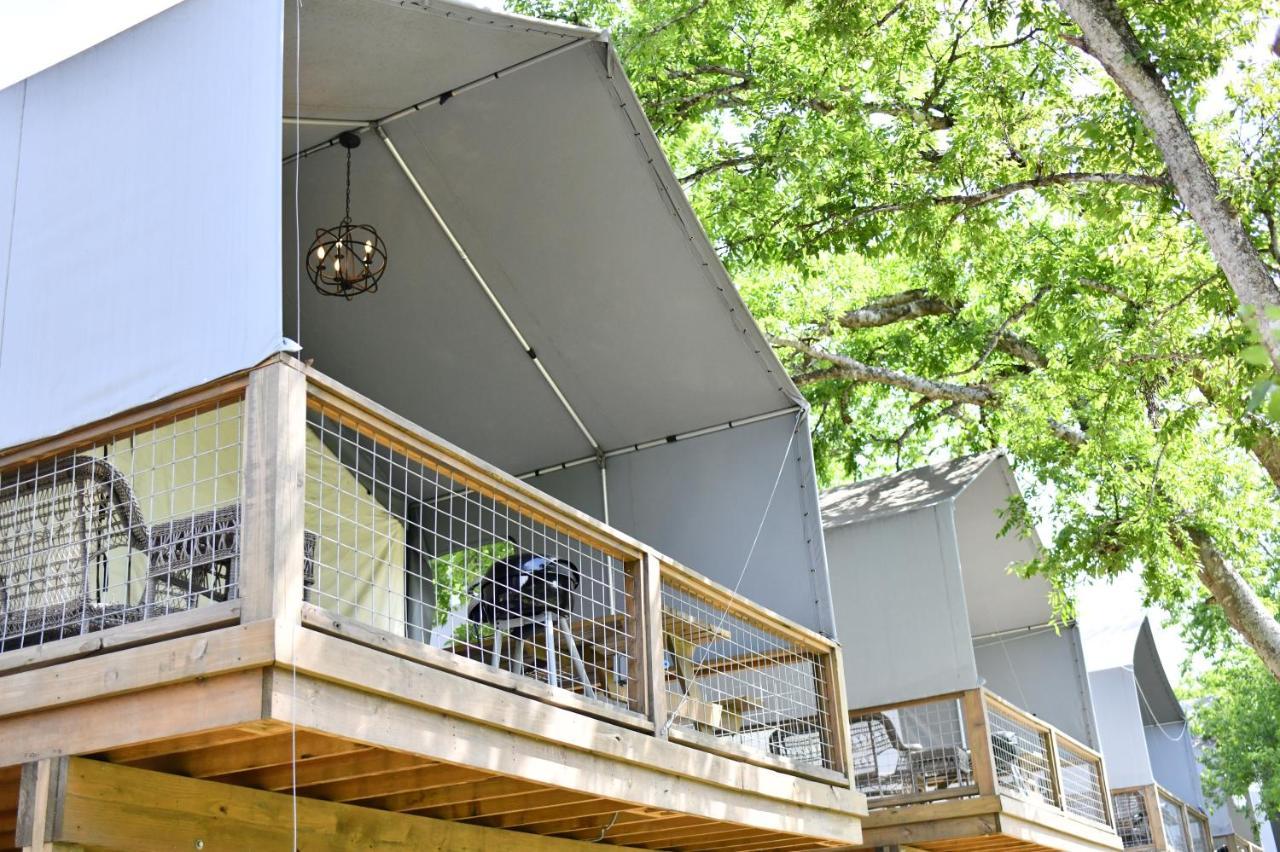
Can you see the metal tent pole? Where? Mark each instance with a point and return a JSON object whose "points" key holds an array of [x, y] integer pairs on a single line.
{"points": [[493, 299]]}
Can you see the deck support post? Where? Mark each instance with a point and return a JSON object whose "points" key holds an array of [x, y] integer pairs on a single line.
{"points": [[40, 803], [1155, 818], [982, 759], [655, 675], [271, 558]]}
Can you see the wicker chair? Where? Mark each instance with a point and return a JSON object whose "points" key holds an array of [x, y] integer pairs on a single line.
{"points": [[199, 557], [59, 519]]}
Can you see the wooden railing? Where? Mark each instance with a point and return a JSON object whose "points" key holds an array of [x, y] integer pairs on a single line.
{"points": [[1151, 817], [973, 743], [313, 505], [633, 636]]}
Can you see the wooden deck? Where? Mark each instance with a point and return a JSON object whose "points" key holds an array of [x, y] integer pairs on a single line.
{"points": [[979, 791], [195, 729], [385, 733], [1151, 818]]}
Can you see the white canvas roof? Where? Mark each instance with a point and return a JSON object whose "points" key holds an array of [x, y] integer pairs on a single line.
{"points": [[542, 167]]}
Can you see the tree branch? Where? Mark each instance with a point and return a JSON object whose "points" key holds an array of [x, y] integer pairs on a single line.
{"points": [[854, 370], [1242, 606], [1110, 39], [730, 163], [887, 312], [977, 199]]}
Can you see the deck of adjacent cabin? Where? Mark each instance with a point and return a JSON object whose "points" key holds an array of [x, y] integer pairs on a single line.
{"points": [[1152, 818], [970, 772], [262, 620]]}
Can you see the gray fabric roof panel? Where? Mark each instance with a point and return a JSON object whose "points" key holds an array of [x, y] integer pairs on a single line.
{"points": [[391, 55], [611, 292], [901, 492]]}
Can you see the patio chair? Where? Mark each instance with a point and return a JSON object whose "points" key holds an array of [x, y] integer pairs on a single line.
{"points": [[198, 556], [881, 760], [799, 740], [59, 520], [884, 765]]}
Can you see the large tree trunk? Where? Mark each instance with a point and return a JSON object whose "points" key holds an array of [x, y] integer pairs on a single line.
{"points": [[1109, 39], [1243, 608]]}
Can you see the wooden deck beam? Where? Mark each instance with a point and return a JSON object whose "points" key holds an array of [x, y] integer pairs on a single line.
{"points": [[110, 807]]}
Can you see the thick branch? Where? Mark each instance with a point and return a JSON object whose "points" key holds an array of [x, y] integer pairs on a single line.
{"points": [[712, 168], [854, 370], [887, 312], [914, 304], [977, 199], [1241, 605], [1109, 39]]}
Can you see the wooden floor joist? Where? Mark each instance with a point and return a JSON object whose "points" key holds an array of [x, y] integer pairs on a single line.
{"points": [[94, 804]]}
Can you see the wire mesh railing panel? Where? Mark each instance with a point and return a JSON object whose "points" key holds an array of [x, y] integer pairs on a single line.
{"points": [[409, 543], [1081, 781], [912, 750], [139, 524], [1133, 823], [1175, 833], [1021, 755], [1201, 838], [734, 678]]}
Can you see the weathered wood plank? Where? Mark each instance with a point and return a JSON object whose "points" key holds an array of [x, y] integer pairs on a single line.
{"points": [[138, 717], [229, 649], [168, 626]]}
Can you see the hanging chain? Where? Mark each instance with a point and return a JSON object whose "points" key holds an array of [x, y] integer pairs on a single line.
{"points": [[348, 217]]}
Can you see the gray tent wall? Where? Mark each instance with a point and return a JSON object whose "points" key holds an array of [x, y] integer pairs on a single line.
{"points": [[552, 182], [1120, 732], [139, 216], [925, 547], [1145, 737]]}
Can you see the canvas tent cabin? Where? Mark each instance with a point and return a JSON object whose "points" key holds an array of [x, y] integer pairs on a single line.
{"points": [[1151, 762], [543, 505], [1231, 826], [937, 630]]}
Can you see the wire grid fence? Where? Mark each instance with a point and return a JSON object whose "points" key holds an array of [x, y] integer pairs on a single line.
{"points": [[1021, 755], [1081, 779], [1133, 823], [911, 750], [139, 524], [407, 543], [1175, 834], [1201, 839], [730, 676]]}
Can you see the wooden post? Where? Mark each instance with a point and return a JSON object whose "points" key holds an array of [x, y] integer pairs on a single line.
{"points": [[1155, 819], [1055, 769], [981, 757], [1108, 805], [655, 674], [837, 711], [271, 550], [40, 802]]}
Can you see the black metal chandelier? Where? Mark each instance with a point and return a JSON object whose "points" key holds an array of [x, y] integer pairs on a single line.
{"points": [[349, 259]]}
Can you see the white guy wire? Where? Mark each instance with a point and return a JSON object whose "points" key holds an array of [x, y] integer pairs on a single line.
{"points": [[297, 330], [13, 218], [733, 594], [1147, 704]]}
